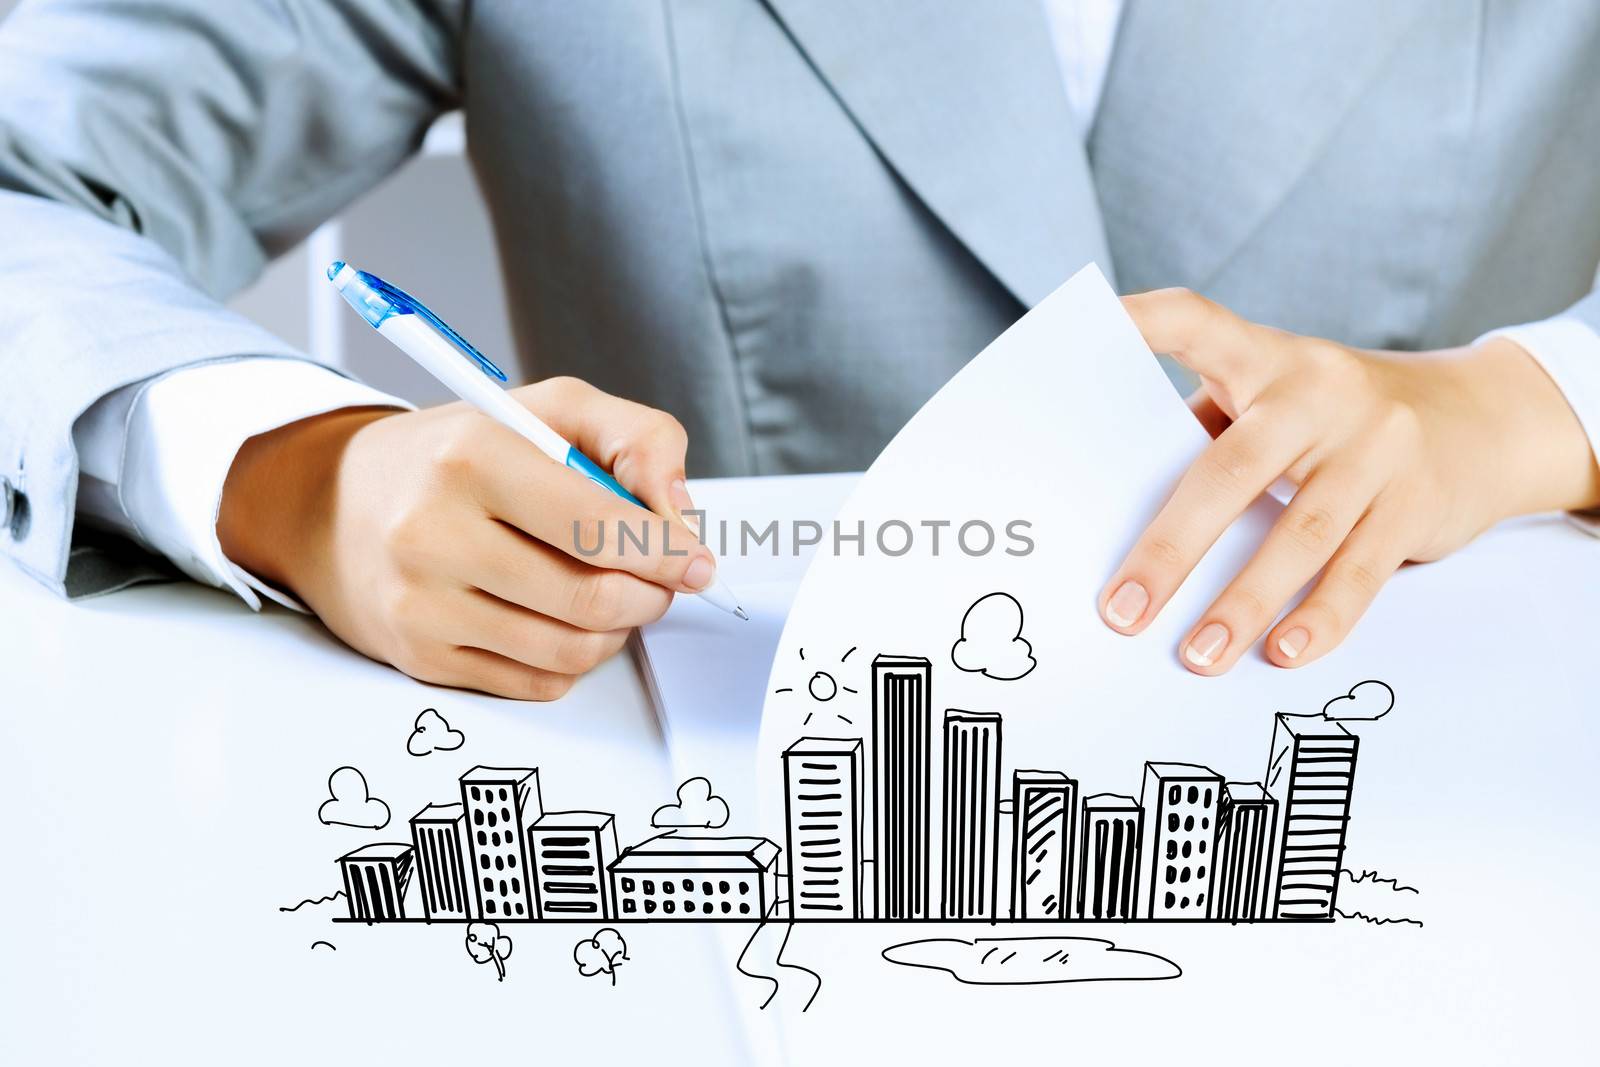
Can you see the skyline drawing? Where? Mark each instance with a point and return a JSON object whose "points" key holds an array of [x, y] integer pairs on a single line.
{"points": [[1191, 847]]}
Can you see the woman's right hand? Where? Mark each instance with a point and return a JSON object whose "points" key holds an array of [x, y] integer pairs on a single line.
{"points": [[447, 545]]}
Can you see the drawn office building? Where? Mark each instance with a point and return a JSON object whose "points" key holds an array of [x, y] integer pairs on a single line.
{"points": [[502, 804], [971, 813], [1177, 858], [1108, 857], [1044, 808], [375, 881], [1310, 773], [902, 747], [822, 813], [681, 877], [571, 853], [1245, 825], [439, 835]]}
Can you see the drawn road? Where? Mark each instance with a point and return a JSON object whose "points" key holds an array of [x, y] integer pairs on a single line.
{"points": [[762, 960]]}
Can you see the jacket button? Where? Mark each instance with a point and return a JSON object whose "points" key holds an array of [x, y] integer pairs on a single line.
{"points": [[13, 509]]}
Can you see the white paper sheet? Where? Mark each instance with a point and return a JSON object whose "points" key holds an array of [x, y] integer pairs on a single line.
{"points": [[706, 671], [1472, 791]]}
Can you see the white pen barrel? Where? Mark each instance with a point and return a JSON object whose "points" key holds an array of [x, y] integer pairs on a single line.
{"points": [[444, 361]]}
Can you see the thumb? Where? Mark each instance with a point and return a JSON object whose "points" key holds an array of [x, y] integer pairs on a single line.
{"points": [[642, 447], [1235, 358]]}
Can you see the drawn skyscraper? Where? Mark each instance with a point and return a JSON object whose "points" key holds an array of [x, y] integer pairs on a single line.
{"points": [[1044, 806], [502, 803], [902, 755], [439, 835], [571, 853], [822, 814], [1178, 848], [375, 880], [1310, 772], [1108, 857], [1245, 824], [971, 813]]}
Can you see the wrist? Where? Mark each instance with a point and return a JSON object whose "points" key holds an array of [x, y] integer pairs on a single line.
{"points": [[1533, 450], [278, 500]]}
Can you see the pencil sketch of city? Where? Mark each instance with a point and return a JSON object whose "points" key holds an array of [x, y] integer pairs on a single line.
{"points": [[858, 841]]}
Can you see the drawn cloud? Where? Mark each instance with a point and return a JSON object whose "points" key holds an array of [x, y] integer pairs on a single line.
{"points": [[991, 642], [1032, 960], [1371, 699], [697, 807], [433, 734], [350, 804]]}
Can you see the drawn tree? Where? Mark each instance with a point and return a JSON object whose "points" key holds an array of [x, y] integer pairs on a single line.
{"points": [[601, 954], [486, 943]]}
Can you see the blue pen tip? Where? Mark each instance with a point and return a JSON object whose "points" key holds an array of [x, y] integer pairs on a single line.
{"points": [[334, 268]]}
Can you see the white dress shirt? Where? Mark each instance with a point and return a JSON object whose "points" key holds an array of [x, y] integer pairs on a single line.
{"points": [[154, 455]]}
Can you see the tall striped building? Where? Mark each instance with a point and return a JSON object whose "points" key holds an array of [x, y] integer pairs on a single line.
{"points": [[1310, 773], [971, 814], [439, 836], [902, 754], [822, 815], [1108, 858], [1245, 825]]}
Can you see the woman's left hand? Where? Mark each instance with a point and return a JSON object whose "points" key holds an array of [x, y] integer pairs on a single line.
{"points": [[1398, 456]]}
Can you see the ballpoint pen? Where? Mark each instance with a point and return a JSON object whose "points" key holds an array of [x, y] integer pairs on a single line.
{"points": [[408, 324]]}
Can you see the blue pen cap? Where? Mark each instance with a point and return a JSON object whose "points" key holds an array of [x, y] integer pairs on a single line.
{"points": [[377, 301]]}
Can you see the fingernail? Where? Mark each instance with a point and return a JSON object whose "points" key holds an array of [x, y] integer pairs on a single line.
{"points": [[1293, 642], [678, 493], [1127, 604], [1206, 647], [699, 574]]}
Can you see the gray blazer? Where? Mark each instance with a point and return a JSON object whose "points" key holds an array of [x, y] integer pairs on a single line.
{"points": [[786, 222]]}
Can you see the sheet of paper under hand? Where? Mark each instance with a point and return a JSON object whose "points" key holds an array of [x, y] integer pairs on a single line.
{"points": [[991, 522]]}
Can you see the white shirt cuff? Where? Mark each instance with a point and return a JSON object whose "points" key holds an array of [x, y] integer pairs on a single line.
{"points": [[1569, 351], [154, 455]]}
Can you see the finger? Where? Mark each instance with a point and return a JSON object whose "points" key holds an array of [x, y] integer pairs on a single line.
{"points": [[566, 511], [642, 447], [1369, 556], [1312, 526], [488, 672], [1212, 418], [512, 566], [1235, 359], [1232, 471], [477, 620]]}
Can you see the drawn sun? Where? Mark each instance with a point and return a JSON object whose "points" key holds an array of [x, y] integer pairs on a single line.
{"points": [[822, 687]]}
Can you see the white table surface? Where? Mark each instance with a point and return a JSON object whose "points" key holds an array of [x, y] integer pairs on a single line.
{"points": [[163, 753]]}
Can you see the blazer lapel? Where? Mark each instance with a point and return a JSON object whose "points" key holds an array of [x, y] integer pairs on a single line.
{"points": [[1211, 114], [965, 102]]}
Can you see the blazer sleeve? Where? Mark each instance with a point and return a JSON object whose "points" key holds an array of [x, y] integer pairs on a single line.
{"points": [[153, 155]]}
